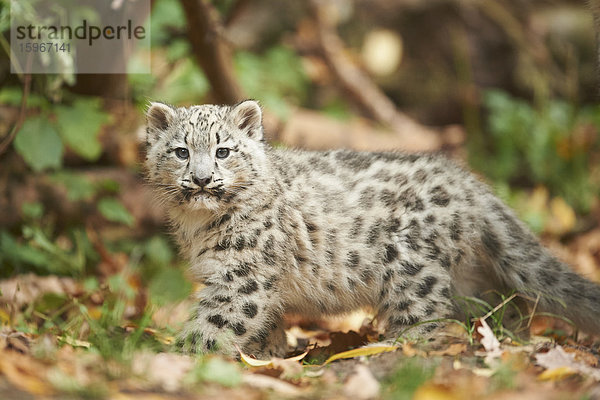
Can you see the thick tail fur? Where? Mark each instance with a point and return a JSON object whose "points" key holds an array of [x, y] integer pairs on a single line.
{"points": [[518, 261]]}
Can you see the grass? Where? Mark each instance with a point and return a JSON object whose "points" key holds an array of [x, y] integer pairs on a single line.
{"points": [[408, 375]]}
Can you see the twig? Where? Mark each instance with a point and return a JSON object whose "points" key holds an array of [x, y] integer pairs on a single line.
{"points": [[499, 306], [362, 91], [595, 7], [212, 54], [537, 301]]}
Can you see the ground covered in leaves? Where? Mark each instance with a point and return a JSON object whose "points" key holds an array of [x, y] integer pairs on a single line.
{"points": [[92, 295], [113, 337]]}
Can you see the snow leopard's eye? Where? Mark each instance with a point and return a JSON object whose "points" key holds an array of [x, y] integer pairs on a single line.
{"points": [[222, 152], [182, 153]]}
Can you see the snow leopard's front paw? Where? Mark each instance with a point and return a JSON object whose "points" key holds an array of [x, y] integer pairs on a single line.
{"points": [[196, 339]]}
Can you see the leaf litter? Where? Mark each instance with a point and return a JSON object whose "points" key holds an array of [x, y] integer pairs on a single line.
{"points": [[333, 359]]}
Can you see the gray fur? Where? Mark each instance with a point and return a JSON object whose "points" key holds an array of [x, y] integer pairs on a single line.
{"points": [[322, 233]]}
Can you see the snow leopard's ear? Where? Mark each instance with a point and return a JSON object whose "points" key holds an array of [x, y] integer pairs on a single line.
{"points": [[247, 116], [158, 117]]}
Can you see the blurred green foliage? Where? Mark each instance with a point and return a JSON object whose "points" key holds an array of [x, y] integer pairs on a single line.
{"points": [[408, 375], [555, 144], [275, 78], [42, 138]]}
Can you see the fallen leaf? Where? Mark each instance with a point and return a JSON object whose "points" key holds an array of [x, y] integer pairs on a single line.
{"points": [[25, 373], [25, 289], [489, 341], [361, 384], [556, 374], [362, 351], [409, 351], [431, 391], [290, 367], [452, 350], [18, 341], [340, 342], [253, 362], [267, 382], [558, 358], [165, 370], [562, 218], [74, 342], [4, 317], [584, 356]]}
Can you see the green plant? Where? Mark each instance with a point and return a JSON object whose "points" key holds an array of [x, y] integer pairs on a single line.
{"points": [[275, 78], [552, 144], [42, 138], [408, 375]]}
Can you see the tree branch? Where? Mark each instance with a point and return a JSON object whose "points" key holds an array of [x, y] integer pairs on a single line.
{"points": [[361, 90], [212, 54]]}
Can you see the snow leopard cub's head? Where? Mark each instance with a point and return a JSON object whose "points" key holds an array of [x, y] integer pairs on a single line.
{"points": [[203, 157]]}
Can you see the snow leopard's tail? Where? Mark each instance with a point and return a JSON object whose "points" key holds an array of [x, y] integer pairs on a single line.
{"points": [[518, 261]]}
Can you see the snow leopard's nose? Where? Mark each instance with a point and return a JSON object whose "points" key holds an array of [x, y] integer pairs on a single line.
{"points": [[201, 181]]}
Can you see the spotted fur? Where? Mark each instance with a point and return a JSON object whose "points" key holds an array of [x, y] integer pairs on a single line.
{"points": [[319, 233]]}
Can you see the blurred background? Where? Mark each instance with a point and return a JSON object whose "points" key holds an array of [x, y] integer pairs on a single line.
{"points": [[508, 88]]}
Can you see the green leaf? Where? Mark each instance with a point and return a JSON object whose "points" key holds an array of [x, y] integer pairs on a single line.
{"points": [[276, 78], [184, 84], [78, 186], [33, 210], [158, 251], [12, 95], [79, 125], [169, 286], [50, 302], [39, 144], [167, 17], [114, 211]]}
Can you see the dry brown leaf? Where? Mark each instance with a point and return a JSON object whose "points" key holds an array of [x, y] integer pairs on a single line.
{"points": [[165, 370], [558, 358], [582, 355], [340, 342], [25, 289], [452, 350], [267, 382], [361, 384], [25, 373], [290, 368], [409, 351], [15, 340]]}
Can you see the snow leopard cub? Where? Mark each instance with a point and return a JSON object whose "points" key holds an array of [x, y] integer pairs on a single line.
{"points": [[272, 231]]}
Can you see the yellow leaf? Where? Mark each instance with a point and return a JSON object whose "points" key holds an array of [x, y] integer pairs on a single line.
{"points": [[556, 374], [4, 317], [563, 217], [434, 392], [74, 342], [95, 313], [538, 199], [362, 351], [253, 362]]}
